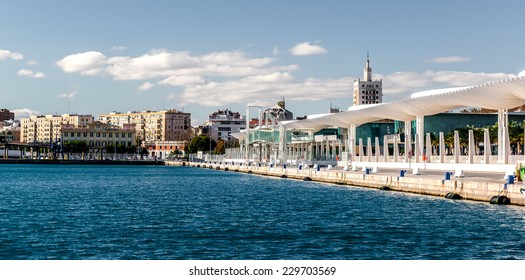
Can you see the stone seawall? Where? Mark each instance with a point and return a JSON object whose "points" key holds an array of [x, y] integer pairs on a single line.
{"points": [[467, 189]]}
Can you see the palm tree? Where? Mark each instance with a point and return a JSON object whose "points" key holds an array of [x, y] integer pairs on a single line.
{"points": [[449, 141], [515, 136]]}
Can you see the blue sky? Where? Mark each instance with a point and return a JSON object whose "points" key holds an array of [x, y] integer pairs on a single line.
{"points": [[94, 57]]}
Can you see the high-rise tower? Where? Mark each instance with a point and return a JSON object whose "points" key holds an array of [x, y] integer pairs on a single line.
{"points": [[368, 91]]}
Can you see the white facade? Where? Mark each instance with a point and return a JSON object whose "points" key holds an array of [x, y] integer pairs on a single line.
{"points": [[168, 125], [368, 91], [48, 128], [223, 123]]}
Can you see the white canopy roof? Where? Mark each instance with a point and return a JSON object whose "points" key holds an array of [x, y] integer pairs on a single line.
{"points": [[497, 95]]}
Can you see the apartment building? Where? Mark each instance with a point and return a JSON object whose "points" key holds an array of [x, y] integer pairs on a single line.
{"points": [[169, 125], [6, 115], [46, 129], [98, 134], [222, 123]]}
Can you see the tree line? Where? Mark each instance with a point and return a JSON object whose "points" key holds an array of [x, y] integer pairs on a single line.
{"points": [[516, 139]]}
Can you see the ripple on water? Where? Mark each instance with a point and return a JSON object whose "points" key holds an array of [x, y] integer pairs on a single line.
{"points": [[156, 212]]}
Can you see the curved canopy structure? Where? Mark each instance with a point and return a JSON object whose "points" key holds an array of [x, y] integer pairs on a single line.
{"points": [[497, 95]]}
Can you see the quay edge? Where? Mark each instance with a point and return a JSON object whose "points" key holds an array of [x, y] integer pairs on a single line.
{"points": [[475, 190]]}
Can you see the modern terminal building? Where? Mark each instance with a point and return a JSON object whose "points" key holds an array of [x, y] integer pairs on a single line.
{"points": [[402, 133]]}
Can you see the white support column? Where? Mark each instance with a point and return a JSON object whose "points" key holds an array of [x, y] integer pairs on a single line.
{"points": [[294, 151], [420, 131], [441, 147], [326, 147], [417, 149], [351, 141], [396, 150], [457, 149], [471, 150], [428, 148], [487, 151], [385, 149], [247, 139], [369, 149], [360, 149], [408, 139], [340, 153], [378, 149], [282, 142], [503, 136], [334, 150]]}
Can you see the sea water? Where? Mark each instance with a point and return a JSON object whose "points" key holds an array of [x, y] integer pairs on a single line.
{"points": [[160, 212]]}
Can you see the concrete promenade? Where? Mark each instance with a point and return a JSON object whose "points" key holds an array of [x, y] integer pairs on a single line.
{"points": [[477, 186]]}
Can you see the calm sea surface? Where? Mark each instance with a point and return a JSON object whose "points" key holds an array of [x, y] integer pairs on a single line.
{"points": [[159, 212]]}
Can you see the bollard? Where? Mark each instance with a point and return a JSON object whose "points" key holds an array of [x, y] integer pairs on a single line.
{"points": [[402, 173]]}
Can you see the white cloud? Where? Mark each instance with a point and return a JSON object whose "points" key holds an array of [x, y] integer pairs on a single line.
{"points": [[31, 62], [265, 88], [25, 113], [449, 59], [183, 80], [89, 63], [31, 74], [410, 82], [306, 48], [119, 48], [235, 77], [145, 86], [5, 54], [68, 95]]}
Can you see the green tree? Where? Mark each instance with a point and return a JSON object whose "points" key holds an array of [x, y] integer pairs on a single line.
{"points": [[201, 143], [220, 149], [75, 146]]}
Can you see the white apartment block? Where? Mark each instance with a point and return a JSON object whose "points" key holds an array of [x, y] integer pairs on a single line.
{"points": [[222, 123], [47, 129], [170, 125]]}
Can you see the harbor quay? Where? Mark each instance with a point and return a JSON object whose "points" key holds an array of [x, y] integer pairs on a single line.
{"points": [[488, 187]]}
